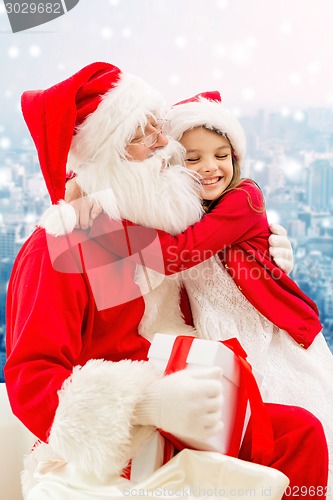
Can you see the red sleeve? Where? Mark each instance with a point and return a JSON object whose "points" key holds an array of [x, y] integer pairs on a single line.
{"points": [[45, 311], [236, 218], [239, 216]]}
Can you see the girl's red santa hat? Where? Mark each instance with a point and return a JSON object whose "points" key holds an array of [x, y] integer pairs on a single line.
{"points": [[98, 107], [206, 110]]}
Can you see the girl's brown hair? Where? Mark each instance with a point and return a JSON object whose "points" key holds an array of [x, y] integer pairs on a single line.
{"points": [[236, 180]]}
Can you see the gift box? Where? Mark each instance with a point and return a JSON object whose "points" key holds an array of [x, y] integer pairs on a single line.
{"points": [[148, 459], [241, 393]]}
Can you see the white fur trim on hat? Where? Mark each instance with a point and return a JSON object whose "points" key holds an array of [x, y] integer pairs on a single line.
{"points": [[113, 124], [211, 114]]}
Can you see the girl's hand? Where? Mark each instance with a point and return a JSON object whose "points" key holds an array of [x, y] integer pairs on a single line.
{"points": [[280, 248], [85, 209]]}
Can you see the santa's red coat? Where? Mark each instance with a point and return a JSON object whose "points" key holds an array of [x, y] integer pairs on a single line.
{"points": [[53, 323]]}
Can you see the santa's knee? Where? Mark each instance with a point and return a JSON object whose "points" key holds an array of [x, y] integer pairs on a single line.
{"points": [[294, 419]]}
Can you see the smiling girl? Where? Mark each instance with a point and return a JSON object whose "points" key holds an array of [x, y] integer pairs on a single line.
{"points": [[239, 292]]}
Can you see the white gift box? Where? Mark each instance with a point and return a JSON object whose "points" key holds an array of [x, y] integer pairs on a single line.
{"points": [[206, 353], [202, 353], [148, 459]]}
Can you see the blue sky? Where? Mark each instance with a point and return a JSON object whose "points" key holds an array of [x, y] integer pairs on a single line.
{"points": [[258, 53]]}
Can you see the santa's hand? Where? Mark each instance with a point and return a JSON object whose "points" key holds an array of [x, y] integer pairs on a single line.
{"points": [[187, 404], [280, 248], [86, 210]]}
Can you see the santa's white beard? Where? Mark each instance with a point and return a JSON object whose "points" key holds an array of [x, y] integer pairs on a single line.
{"points": [[151, 193]]}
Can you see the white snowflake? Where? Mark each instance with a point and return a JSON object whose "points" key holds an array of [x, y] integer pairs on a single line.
{"points": [[174, 80], [329, 99], [239, 54], [236, 111], [295, 78], [35, 51], [285, 111], [299, 116], [5, 143], [126, 32], [106, 33], [217, 73], [286, 27], [314, 68], [291, 169], [30, 218], [180, 42], [219, 51], [259, 166], [248, 93], [251, 42], [222, 4], [13, 52]]}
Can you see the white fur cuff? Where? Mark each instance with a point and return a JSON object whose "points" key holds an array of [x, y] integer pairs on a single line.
{"points": [[92, 426]]}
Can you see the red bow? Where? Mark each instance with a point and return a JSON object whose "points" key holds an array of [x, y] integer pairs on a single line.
{"points": [[262, 433]]}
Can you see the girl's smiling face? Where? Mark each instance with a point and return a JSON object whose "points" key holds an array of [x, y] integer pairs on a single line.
{"points": [[210, 155]]}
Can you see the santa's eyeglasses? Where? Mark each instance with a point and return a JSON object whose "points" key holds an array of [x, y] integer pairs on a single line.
{"points": [[149, 140]]}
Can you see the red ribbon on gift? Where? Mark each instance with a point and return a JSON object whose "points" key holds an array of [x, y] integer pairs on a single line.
{"points": [[262, 432]]}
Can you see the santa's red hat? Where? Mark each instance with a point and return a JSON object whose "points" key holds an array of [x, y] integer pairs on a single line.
{"points": [[98, 107], [206, 109]]}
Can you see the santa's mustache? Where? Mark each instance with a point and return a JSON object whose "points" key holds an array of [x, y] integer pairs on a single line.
{"points": [[171, 154]]}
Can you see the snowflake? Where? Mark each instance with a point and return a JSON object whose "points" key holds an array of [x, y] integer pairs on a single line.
{"points": [[295, 78], [13, 52], [299, 116], [174, 80], [217, 73], [126, 32], [222, 4], [106, 32], [180, 42], [5, 143], [286, 27], [285, 112], [248, 94], [34, 51]]}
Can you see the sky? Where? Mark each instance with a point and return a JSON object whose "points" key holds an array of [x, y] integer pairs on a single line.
{"points": [[260, 54]]}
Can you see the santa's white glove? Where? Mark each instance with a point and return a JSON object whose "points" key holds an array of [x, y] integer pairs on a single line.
{"points": [[280, 248], [187, 403]]}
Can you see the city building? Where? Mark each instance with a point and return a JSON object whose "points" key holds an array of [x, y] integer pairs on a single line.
{"points": [[320, 185]]}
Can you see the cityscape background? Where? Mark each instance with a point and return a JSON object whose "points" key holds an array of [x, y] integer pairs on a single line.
{"points": [[271, 62]]}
